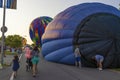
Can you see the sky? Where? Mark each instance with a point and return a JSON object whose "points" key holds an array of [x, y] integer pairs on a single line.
{"points": [[18, 21]]}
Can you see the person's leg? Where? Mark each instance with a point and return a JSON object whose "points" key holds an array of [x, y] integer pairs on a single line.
{"points": [[99, 63], [100, 66], [26, 67], [34, 68], [27, 64], [77, 62], [15, 74], [30, 64]]}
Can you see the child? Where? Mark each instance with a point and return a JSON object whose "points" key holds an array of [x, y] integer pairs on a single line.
{"points": [[28, 64], [16, 65], [77, 57]]}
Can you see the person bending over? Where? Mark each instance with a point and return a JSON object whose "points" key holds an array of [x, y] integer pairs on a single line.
{"points": [[99, 59]]}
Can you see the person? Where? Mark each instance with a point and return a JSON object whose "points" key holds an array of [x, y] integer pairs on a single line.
{"points": [[35, 60], [16, 65], [28, 64], [99, 59], [28, 56], [77, 56]]}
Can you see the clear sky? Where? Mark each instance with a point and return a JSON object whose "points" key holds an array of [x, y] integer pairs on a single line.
{"points": [[18, 21]]}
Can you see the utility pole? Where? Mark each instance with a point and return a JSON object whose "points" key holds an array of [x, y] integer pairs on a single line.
{"points": [[3, 30]]}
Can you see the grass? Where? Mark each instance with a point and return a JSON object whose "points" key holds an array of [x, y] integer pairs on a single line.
{"points": [[6, 65], [117, 69], [10, 53]]}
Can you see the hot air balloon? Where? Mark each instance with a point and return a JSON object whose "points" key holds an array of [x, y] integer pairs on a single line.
{"points": [[24, 41], [37, 28], [93, 26]]}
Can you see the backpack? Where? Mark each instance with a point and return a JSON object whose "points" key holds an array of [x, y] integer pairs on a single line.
{"points": [[27, 53]]}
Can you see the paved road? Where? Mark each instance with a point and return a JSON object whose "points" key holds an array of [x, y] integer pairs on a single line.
{"points": [[54, 71]]}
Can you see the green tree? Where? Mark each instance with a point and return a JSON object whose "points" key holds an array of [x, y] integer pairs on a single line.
{"points": [[13, 41]]}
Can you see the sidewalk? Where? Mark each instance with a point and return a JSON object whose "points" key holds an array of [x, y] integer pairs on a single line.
{"points": [[7, 70]]}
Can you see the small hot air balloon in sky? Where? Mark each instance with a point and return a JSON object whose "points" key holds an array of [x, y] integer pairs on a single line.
{"points": [[37, 28], [24, 41]]}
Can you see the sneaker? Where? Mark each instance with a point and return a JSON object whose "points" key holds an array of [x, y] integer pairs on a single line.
{"points": [[100, 69], [15, 76], [34, 75]]}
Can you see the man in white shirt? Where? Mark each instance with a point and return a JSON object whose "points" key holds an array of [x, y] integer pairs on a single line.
{"points": [[77, 56]]}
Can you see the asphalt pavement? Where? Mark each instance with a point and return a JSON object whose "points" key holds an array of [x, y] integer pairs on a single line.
{"points": [[54, 71]]}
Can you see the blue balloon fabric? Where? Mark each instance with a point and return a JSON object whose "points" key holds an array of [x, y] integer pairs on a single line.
{"points": [[94, 26]]}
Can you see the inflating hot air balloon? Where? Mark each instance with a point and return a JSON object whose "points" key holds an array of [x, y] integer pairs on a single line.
{"points": [[37, 28], [94, 26]]}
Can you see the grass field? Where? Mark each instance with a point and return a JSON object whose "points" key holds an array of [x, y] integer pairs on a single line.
{"points": [[10, 53]]}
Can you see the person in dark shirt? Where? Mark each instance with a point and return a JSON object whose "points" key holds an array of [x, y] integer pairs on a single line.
{"points": [[16, 65]]}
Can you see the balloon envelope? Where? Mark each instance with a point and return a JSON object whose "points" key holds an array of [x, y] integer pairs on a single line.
{"points": [[37, 28], [94, 26]]}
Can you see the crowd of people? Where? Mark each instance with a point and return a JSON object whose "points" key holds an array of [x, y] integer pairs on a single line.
{"points": [[32, 59]]}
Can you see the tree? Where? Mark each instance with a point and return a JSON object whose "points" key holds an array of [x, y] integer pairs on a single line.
{"points": [[13, 41]]}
